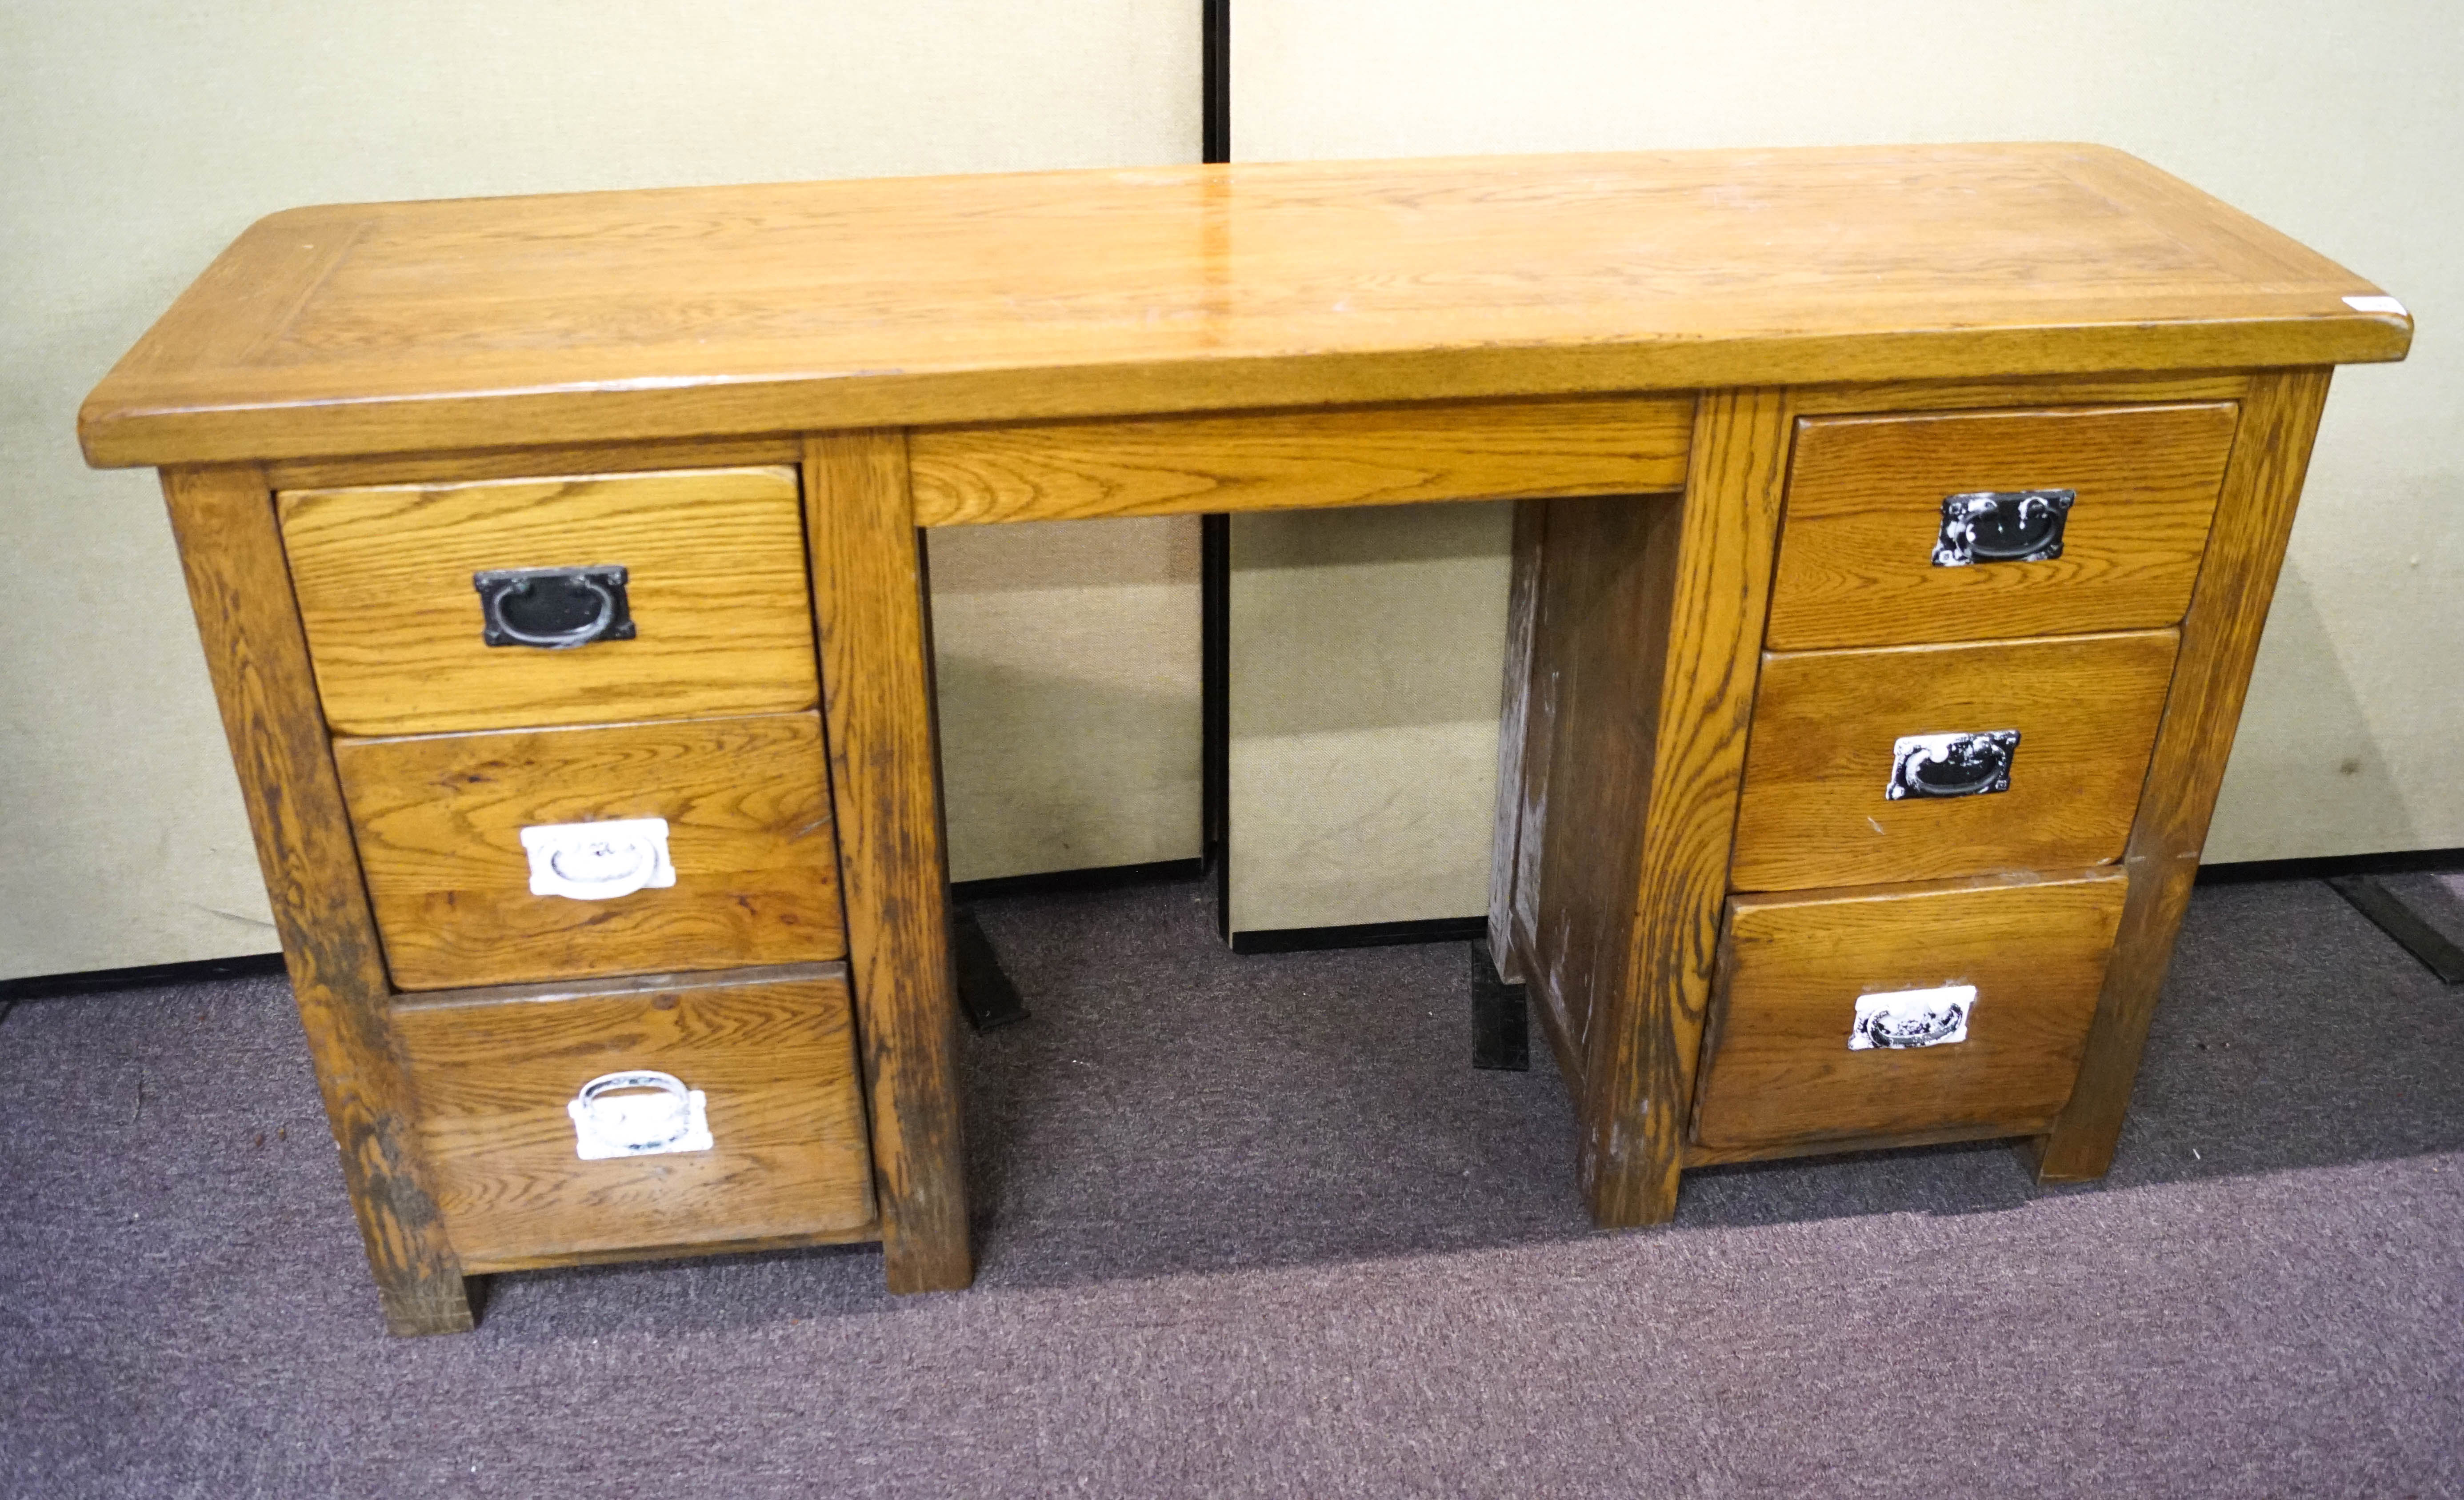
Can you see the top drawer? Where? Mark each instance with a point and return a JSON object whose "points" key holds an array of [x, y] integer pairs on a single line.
{"points": [[1866, 523], [714, 583]]}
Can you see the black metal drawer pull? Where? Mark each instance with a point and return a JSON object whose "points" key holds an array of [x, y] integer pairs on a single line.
{"points": [[2002, 526], [553, 609], [1897, 1019], [1965, 765]]}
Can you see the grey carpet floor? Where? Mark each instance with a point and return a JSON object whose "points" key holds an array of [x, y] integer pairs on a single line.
{"points": [[1253, 1227]]}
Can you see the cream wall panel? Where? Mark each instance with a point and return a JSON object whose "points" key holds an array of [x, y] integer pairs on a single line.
{"points": [[1366, 660], [142, 137], [1067, 659], [2341, 126]]}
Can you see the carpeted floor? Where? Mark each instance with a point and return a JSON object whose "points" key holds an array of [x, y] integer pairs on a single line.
{"points": [[1253, 1227]]}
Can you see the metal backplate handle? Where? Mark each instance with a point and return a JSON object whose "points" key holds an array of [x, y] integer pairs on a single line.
{"points": [[2002, 526], [1971, 763], [1898, 1018], [638, 1113], [599, 861], [553, 609]]}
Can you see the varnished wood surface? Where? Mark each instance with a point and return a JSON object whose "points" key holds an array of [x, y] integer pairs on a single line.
{"points": [[529, 462], [1881, 397], [1814, 811], [1697, 622], [594, 317], [690, 1250], [1698, 1154], [1776, 1066], [440, 817], [232, 553], [2219, 643], [715, 584], [1865, 508], [1604, 582], [877, 665], [773, 1052], [1524, 723], [1285, 461]]}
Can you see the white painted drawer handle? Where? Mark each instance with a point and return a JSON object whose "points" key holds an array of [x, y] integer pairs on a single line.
{"points": [[638, 1113], [1895, 1018], [599, 861]]}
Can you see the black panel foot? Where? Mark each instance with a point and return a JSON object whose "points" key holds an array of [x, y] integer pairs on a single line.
{"points": [[1501, 1025], [984, 991], [2418, 910]]}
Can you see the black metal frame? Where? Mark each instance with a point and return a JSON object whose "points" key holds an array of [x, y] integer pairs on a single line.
{"points": [[1359, 935], [1215, 531]]}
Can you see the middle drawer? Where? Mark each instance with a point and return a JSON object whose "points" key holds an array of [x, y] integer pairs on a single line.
{"points": [[1919, 763], [486, 863]]}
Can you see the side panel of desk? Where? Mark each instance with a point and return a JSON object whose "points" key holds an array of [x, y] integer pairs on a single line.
{"points": [[257, 654]]}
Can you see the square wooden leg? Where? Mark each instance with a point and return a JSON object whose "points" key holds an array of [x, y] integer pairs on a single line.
{"points": [[877, 695]]}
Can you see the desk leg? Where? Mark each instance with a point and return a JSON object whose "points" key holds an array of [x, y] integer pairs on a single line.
{"points": [[1645, 638], [232, 550], [877, 697], [2262, 486]]}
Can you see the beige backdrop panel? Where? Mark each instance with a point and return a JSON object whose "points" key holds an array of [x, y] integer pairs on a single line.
{"points": [[1366, 657], [1069, 677], [142, 137], [2339, 125]]}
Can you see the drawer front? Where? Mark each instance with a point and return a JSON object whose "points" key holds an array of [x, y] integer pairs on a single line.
{"points": [[2132, 489], [752, 867], [1778, 1063], [1833, 730], [713, 588], [773, 1145]]}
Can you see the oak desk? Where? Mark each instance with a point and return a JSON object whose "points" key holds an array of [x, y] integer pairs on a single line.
{"points": [[557, 561]]}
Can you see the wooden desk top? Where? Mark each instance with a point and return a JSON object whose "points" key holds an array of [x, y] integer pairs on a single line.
{"points": [[603, 317]]}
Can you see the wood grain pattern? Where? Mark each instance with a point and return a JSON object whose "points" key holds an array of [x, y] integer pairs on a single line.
{"points": [[439, 819], [877, 669], [1522, 756], [1864, 508], [717, 588], [1698, 1154], [1777, 1066], [772, 1051], [694, 1251], [394, 328], [2220, 638], [2101, 388], [1285, 461], [232, 553], [529, 462], [1814, 812], [1641, 1051], [1606, 580]]}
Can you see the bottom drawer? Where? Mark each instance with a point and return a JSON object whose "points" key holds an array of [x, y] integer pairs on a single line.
{"points": [[1882, 1012], [741, 1118]]}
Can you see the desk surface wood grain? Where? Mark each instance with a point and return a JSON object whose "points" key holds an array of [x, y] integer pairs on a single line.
{"points": [[401, 328]]}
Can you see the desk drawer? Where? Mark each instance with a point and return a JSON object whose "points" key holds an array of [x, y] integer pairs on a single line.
{"points": [[2132, 492], [752, 873], [755, 1130], [1836, 733], [1804, 978], [713, 585]]}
